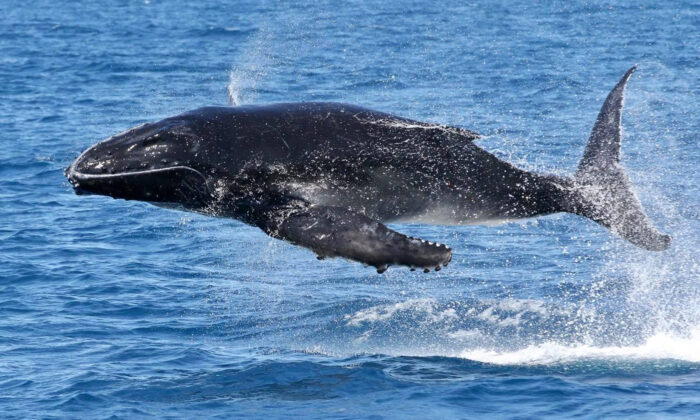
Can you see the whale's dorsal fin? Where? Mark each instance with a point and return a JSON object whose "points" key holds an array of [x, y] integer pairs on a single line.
{"points": [[338, 232]]}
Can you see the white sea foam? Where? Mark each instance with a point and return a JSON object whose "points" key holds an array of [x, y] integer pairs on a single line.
{"points": [[501, 313], [507, 313], [659, 346], [428, 307]]}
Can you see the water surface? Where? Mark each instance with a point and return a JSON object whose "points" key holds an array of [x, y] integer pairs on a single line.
{"points": [[115, 308]]}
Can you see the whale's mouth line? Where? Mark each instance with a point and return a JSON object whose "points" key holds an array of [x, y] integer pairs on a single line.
{"points": [[78, 179], [77, 175]]}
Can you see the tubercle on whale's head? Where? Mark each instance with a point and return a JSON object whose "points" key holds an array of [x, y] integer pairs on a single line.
{"points": [[157, 162]]}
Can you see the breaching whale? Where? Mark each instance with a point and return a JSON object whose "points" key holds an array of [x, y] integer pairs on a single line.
{"points": [[326, 176]]}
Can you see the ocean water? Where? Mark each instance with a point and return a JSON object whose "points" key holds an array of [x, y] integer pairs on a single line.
{"points": [[120, 309]]}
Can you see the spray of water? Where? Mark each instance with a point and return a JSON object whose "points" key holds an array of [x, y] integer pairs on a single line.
{"points": [[250, 69]]}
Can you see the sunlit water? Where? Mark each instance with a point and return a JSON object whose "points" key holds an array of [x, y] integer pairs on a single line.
{"points": [[119, 308]]}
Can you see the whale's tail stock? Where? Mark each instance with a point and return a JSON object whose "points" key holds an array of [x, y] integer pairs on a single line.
{"points": [[602, 190]]}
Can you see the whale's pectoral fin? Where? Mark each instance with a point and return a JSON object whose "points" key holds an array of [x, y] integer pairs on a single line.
{"points": [[337, 232]]}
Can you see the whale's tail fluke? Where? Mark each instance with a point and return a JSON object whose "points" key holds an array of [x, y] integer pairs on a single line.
{"points": [[602, 191]]}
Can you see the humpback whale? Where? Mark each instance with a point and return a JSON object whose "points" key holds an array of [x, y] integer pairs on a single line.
{"points": [[327, 176]]}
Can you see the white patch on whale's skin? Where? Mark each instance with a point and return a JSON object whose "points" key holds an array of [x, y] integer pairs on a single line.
{"points": [[448, 216]]}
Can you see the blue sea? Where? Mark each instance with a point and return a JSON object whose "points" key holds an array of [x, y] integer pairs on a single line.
{"points": [[116, 309]]}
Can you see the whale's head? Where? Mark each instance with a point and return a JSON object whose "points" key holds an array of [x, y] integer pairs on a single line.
{"points": [[155, 162]]}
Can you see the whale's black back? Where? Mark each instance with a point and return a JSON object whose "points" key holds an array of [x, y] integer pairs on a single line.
{"points": [[297, 132], [390, 167]]}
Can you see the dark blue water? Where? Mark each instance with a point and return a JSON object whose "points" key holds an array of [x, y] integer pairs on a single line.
{"points": [[114, 308]]}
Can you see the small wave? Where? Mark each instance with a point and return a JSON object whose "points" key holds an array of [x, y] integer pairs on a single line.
{"points": [[223, 31], [658, 347], [429, 307], [504, 312]]}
